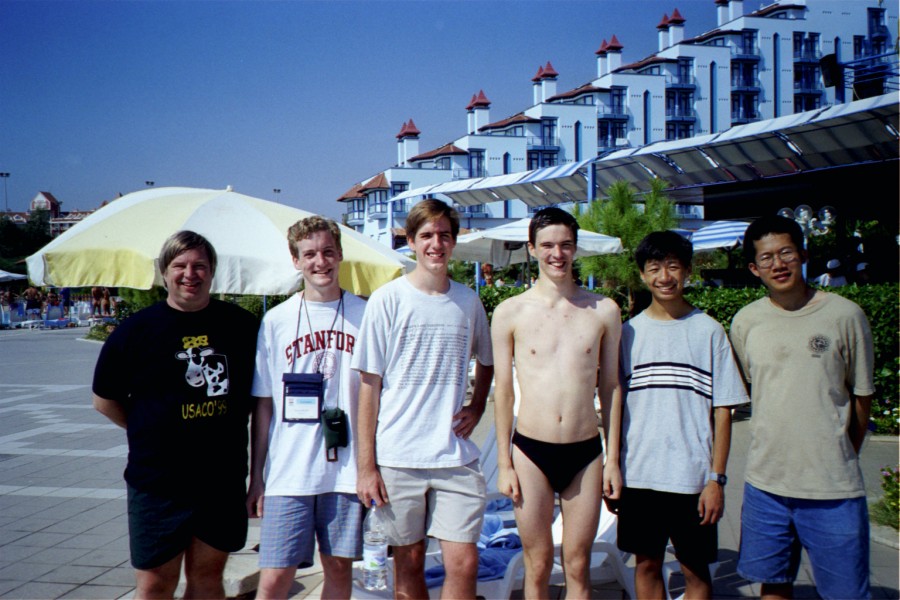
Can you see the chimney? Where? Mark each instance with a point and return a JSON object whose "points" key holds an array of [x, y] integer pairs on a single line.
{"points": [[482, 111], [407, 143], [614, 54], [548, 82], [721, 12], [663, 29], [676, 28], [601, 59], [470, 114], [536, 85], [735, 9]]}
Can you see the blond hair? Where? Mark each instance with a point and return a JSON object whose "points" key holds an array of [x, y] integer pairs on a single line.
{"points": [[304, 228]]}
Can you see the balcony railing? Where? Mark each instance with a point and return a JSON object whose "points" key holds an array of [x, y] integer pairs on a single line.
{"points": [[745, 51], [807, 87], [807, 55], [686, 81], [469, 173], [615, 113], [544, 141], [745, 83], [355, 217], [400, 207], [744, 116], [473, 211], [680, 113], [378, 210]]}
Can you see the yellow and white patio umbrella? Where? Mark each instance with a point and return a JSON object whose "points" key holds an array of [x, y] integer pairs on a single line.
{"points": [[118, 245]]}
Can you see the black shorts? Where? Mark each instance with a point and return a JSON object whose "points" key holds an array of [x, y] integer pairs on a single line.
{"points": [[648, 519], [162, 527]]}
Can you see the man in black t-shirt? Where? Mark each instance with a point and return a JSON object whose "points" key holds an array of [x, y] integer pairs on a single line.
{"points": [[177, 377]]}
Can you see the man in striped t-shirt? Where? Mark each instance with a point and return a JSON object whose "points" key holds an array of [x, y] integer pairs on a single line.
{"points": [[670, 429]]}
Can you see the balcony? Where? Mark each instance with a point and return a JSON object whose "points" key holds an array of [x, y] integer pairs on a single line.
{"points": [[356, 217], [612, 113], [378, 210], [745, 52], [807, 87], [476, 211], [680, 82], [745, 84], [680, 114], [469, 173], [400, 208], [807, 56], [740, 117], [534, 141]]}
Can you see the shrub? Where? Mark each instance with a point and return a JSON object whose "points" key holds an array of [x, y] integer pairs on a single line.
{"points": [[887, 510]]}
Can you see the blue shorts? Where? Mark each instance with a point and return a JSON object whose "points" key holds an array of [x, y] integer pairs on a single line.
{"points": [[292, 524], [835, 534]]}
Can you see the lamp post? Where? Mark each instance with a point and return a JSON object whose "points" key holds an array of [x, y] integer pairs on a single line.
{"points": [[5, 176], [150, 183], [275, 192]]}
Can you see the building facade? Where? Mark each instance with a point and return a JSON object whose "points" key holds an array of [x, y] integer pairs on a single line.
{"points": [[755, 65]]}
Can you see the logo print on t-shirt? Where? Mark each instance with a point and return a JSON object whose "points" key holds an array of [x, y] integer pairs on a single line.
{"points": [[204, 366], [819, 344]]}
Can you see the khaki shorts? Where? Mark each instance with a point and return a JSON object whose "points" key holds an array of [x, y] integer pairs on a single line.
{"points": [[445, 503]]}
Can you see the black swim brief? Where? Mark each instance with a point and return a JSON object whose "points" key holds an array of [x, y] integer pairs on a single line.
{"points": [[559, 463]]}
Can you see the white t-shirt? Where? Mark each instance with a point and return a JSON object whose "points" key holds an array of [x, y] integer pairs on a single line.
{"points": [[420, 345], [296, 464], [674, 373]]}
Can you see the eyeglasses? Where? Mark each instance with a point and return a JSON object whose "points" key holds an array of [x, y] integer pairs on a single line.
{"points": [[786, 255]]}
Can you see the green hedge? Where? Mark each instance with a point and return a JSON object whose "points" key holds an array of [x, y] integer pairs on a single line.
{"points": [[879, 302]]}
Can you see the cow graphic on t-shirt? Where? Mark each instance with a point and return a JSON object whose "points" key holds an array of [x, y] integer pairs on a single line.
{"points": [[204, 366]]}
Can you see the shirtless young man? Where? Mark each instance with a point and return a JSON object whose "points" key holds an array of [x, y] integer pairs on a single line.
{"points": [[564, 342]]}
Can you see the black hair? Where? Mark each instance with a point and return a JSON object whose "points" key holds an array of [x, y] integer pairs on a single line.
{"points": [[660, 245], [551, 216], [764, 226]]}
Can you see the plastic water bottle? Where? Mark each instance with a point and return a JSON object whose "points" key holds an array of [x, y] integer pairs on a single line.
{"points": [[374, 551]]}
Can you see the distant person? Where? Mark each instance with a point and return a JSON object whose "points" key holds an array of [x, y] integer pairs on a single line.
{"points": [[487, 271], [65, 295], [106, 303], [96, 298], [808, 356], [679, 382], [305, 491], [832, 277], [564, 343], [416, 458], [33, 303], [177, 377]]}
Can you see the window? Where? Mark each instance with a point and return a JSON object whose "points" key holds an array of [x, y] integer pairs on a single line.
{"points": [[476, 163], [442, 163], [748, 42], [398, 187], [577, 140], [548, 132], [685, 69], [617, 100], [538, 159], [713, 103], [859, 46], [377, 202]]}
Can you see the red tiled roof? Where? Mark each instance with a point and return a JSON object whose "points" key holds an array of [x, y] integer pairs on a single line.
{"points": [[481, 100], [676, 18], [585, 89], [352, 194], [445, 150], [549, 72], [408, 129], [603, 47], [774, 8], [650, 60], [471, 103], [540, 74], [513, 120], [664, 24], [614, 45], [379, 182]]}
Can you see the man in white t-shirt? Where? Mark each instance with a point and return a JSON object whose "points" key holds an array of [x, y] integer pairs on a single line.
{"points": [[416, 460], [302, 480]]}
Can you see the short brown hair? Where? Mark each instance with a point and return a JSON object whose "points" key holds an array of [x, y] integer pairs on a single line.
{"points": [[304, 228], [182, 241], [427, 210]]}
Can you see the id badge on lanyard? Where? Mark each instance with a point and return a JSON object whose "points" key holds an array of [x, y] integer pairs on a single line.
{"points": [[304, 394]]}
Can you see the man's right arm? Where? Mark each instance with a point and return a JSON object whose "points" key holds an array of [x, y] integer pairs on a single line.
{"points": [[504, 399], [369, 485], [112, 410], [259, 449]]}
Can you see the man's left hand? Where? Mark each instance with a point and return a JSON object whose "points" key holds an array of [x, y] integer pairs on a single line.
{"points": [[711, 506], [465, 421]]}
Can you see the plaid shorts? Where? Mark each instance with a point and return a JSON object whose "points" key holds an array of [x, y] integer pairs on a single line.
{"points": [[292, 524]]}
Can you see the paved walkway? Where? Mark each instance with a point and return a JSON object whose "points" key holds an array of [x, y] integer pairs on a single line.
{"points": [[63, 527]]}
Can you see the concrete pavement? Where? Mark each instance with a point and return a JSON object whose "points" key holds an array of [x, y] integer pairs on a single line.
{"points": [[63, 525]]}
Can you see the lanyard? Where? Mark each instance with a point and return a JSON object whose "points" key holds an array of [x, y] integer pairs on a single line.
{"points": [[320, 356]]}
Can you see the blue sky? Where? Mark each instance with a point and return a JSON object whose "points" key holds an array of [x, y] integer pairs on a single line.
{"points": [[305, 96]]}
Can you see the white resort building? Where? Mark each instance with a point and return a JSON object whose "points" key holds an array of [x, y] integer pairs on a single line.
{"points": [[786, 58]]}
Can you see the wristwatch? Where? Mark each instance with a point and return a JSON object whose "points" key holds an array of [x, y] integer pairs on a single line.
{"points": [[718, 478]]}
